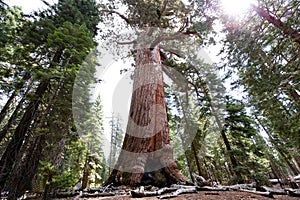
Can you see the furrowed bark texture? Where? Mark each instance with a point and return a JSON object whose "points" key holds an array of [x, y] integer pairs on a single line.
{"points": [[147, 156]]}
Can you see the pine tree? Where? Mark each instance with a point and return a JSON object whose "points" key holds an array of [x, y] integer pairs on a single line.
{"points": [[246, 145], [55, 49]]}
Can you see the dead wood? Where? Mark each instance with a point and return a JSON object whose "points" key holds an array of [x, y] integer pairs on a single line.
{"points": [[174, 189], [293, 192], [200, 180], [208, 188], [140, 193], [177, 189], [178, 192], [251, 186], [272, 190]]}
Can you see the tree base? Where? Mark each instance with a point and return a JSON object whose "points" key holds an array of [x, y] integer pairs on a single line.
{"points": [[160, 178]]}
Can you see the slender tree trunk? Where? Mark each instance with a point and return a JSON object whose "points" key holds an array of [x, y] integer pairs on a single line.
{"points": [[86, 172], [22, 175], [6, 107], [146, 147], [211, 174], [222, 131], [200, 171], [226, 142], [13, 96], [297, 159], [14, 146], [28, 160], [290, 163], [188, 160], [13, 117], [56, 161], [231, 156]]}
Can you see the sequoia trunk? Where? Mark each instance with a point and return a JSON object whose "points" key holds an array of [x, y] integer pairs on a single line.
{"points": [[147, 156]]}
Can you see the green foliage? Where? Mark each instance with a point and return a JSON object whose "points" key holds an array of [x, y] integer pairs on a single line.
{"points": [[73, 11], [12, 20], [49, 48], [246, 143], [266, 61]]}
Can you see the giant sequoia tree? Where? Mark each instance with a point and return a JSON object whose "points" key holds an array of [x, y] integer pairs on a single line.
{"points": [[146, 151]]}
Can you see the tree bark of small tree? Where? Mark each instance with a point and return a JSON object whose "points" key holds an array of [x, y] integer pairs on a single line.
{"points": [[147, 141], [14, 146], [86, 172], [6, 107], [12, 150], [14, 115], [13, 96]]}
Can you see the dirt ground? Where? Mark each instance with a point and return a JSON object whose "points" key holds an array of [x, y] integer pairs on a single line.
{"points": [[228, 195]]}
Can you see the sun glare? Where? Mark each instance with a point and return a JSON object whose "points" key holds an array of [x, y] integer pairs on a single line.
{"points": [[236, 7]]}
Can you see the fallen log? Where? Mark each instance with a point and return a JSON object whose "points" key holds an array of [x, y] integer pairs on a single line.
{"points": [[200, 180], [183, 186], [178, 192], [208, 188], [293, 192], [272, 190], [251, 186], [140, 193]]}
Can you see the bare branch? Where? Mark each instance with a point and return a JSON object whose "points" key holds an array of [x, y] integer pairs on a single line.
{"points": [[287, 30], [184, 25], [129, 42], [164, 7], [189, 32], [128, 21]]}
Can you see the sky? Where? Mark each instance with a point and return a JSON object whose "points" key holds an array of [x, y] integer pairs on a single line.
{"points": [[29, 5]]}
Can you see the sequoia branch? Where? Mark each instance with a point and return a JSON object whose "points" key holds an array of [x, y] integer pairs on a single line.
{"points": [[278, 23]]}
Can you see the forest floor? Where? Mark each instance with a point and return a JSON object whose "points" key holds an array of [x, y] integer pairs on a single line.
{"points": [[224, 195]]}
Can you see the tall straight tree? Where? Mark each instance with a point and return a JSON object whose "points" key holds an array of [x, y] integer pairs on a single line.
{"points": [[57, 45], [146, 150]]}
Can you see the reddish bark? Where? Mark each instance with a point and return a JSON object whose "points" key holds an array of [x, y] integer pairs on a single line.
{"points": [[278, 24], [146, 148]]}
